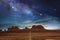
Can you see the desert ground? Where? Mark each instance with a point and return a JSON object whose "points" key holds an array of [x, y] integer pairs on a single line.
{"points": [[31, 36]]}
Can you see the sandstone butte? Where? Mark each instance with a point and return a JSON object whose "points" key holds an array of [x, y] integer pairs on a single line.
{"points": [[37, 32]]}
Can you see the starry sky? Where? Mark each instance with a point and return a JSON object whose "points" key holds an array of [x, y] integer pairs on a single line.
{"points": [[30, 12]]}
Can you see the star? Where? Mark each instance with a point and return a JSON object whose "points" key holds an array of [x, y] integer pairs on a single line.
{"points": [[41, 14], [14, 8], [54, 9]]}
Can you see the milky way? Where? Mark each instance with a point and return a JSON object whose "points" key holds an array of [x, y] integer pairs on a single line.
{"points": [[29, 12]]}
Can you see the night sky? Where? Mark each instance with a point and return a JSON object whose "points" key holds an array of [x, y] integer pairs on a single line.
{"points": [[30, 12]]}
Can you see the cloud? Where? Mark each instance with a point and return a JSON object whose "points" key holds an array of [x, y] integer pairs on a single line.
{"points": [[27, 21]]}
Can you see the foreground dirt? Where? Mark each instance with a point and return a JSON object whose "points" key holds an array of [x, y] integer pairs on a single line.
{"points": [[31, 36]]}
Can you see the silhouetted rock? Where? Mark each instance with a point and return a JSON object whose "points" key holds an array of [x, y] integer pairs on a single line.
{"points": [[1, 31], [13, 29], [37, 28], [27, 29]]}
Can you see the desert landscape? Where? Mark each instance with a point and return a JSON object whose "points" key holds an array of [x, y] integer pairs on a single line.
{"points": [[35, 33]]}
